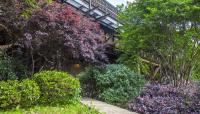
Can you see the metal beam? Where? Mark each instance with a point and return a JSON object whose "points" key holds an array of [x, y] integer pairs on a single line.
{"points": [[81, 7], [90, 4], [102, 17], [97, 16], [63, 1], [94, 15], [110, 23], [90, 10]]}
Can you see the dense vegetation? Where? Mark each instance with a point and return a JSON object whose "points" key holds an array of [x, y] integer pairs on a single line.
{"points": [[11, 68], [57, 87], [28, 45], [10, 96], [75, 37], [115, 84], [48, 88], [30, 93], [156, 98], [161, 39], [159, 46]]}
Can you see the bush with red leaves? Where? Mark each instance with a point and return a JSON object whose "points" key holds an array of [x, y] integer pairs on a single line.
{"points": [[56, 34], [167, 99], [79, 35]]}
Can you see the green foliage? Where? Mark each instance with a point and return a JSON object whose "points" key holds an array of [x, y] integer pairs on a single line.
{"points": [[20, 70], [31, 5], [114, 84], [57, 87], [165, 35], [196, 74], [30, 93], [11, 69], [89, 83], [9, 94], [26, 13], [116, 96], [13, 93], [6, 70], [68, 109]]}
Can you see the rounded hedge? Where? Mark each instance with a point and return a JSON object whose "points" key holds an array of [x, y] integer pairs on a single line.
{"points": [[9, 95], [115, 84], [57, 87], [30, 92]]}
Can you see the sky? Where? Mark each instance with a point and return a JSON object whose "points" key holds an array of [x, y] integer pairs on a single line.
{"points": [[119, 2]]}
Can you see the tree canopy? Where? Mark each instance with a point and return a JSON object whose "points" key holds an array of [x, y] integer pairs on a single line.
{"points": [[163, 35], [48, 34]]}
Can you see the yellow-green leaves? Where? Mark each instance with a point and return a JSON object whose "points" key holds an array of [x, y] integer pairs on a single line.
{"points": [[31, 5], [162, 31]]}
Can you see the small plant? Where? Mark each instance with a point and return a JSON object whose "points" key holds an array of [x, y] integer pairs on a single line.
{"points": [[115, 84], [9, 94], [30, 92], [57, 87]]}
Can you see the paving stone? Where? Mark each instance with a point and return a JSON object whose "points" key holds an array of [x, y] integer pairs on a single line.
{"points": [[104, 107]]}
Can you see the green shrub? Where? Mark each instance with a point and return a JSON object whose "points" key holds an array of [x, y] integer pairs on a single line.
{"points": [[9, 95], [20, 70], [115, 84], [6, 68], [115, 96], [57, 87], [11, 68], [89, 83], [30, 92]]}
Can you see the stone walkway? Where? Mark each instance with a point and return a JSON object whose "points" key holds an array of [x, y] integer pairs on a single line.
{"points": [[105, 108]]}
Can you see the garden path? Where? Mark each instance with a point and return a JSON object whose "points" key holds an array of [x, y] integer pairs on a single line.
{"points": [[104, 107]]}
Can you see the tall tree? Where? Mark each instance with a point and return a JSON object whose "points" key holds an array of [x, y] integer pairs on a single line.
{"points": [[164, 34], [49, 34], [59, 32]]}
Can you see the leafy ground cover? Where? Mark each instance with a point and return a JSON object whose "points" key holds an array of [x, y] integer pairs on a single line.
{"points": [[68, 109], [167, 99]]}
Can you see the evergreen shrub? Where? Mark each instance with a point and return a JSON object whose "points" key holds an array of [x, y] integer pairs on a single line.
{"points": [[57, 87]]}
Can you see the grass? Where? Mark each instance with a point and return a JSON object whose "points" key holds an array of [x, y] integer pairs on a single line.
{"points": [[68, 109]]}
